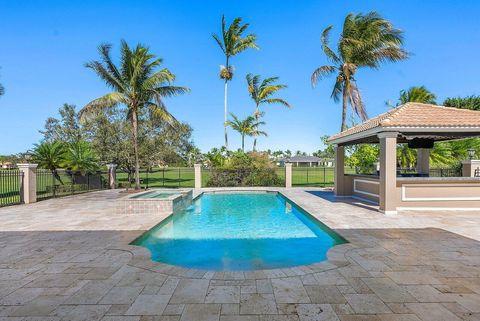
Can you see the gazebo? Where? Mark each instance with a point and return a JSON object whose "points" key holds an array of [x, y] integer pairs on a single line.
{"points": [[419, 125]]}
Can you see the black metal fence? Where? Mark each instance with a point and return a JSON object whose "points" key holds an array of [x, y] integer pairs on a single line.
{"points": [[63, 182], [11, 181], [167, 177], [313, 176], [433, 172]]}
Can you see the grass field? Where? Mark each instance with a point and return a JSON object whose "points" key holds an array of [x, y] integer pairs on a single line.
{"points": [[172, 177]]}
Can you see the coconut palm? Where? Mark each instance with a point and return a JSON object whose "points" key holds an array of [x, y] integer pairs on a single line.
{"points": [[246, 127], [137, 83], [232, 42], [366, 41], [417, 95], [261, 92]]}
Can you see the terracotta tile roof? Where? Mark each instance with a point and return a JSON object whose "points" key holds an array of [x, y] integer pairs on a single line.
{"points": [[417, 115]]}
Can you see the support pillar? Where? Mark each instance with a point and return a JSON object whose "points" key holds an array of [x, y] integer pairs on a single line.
{"points": [[198, 175], [112, 176], [28, 184], [288, 175], [388, 172], [339, 171], [423, 161], [470, 168]]}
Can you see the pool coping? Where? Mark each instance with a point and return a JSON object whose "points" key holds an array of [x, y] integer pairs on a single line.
{"points": [[336, 255]]}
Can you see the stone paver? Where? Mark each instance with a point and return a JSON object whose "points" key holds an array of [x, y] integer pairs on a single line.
{"points": [[70, 259]]}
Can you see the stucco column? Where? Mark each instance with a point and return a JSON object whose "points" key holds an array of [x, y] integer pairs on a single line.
{"points": [[388, 172], [423, 161], [112, 175], [288, 175], [198, 175], [469, 167], [339, 170], [28, 185]]}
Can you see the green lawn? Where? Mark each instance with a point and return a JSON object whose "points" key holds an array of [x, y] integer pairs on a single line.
{"points": [[172, 177]]}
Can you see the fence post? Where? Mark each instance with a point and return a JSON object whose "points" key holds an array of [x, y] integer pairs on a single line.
{"points": [[28, 189], [112, 176], [288, 175], [198, 175]]}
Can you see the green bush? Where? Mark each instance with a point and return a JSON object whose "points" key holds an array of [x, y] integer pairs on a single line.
{"points": [[244, 169]]}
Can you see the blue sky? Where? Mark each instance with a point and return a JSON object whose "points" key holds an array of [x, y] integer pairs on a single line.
{"points": [[46, 43]]}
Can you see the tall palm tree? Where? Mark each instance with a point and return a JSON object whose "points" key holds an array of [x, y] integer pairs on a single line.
{"points": [[366, 41], [232, 42], [246, 127], [137, 83], [261, 91]]}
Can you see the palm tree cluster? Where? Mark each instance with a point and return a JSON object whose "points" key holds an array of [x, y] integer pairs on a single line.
{"points": [[246, 127], [366, 41], [77, 156], [137, 83], [232, 42]]}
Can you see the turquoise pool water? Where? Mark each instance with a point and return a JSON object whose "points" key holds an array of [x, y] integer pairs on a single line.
{"points": [[154, 194], [239, 232]]}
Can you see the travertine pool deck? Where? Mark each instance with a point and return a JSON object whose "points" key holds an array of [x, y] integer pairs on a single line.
{"points": [[69, 259]]}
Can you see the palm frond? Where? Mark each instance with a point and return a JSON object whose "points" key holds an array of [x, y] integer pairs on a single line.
{"points": [[104, 102], [321, 72]]}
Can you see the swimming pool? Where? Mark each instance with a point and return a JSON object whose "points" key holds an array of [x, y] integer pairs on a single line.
{"points": [[239, 232]]}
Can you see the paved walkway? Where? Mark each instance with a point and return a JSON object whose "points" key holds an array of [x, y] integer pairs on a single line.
{"points": [[69, 259]]}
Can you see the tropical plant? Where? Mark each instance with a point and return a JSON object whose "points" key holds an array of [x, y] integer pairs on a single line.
{"points": [[80, 157], [418, 95], [366, 41], [246, 127], [471, 102], [232, 42], [138, 84], [261, 92], [49, 155]]}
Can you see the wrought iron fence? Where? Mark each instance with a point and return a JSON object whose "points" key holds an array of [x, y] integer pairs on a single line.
{"points": [[11, 182], [63, 182], [167, 177], [313, 176], [433, 172]]}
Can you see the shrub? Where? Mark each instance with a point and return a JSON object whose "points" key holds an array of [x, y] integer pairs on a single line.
{"points": [[245, 169]]}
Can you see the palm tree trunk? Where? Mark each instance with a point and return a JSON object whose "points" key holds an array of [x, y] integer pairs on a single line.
{"points": [[135, 148], [344, 108], [225, 113], [255, 137], [243, 143]]}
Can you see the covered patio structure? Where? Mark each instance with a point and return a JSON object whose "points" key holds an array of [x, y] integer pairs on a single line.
{"points": [[419, 125]]}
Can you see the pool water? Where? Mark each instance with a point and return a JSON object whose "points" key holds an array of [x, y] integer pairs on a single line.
{"points": [[239, 232], [155, 194]]}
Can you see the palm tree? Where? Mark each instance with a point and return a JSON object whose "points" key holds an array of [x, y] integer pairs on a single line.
{"points": [[138, 84], [50, 155], [366, 41], [246, 127], [232, 42], [417, 95], [261, 91], [79, 156], [407, 157]]}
